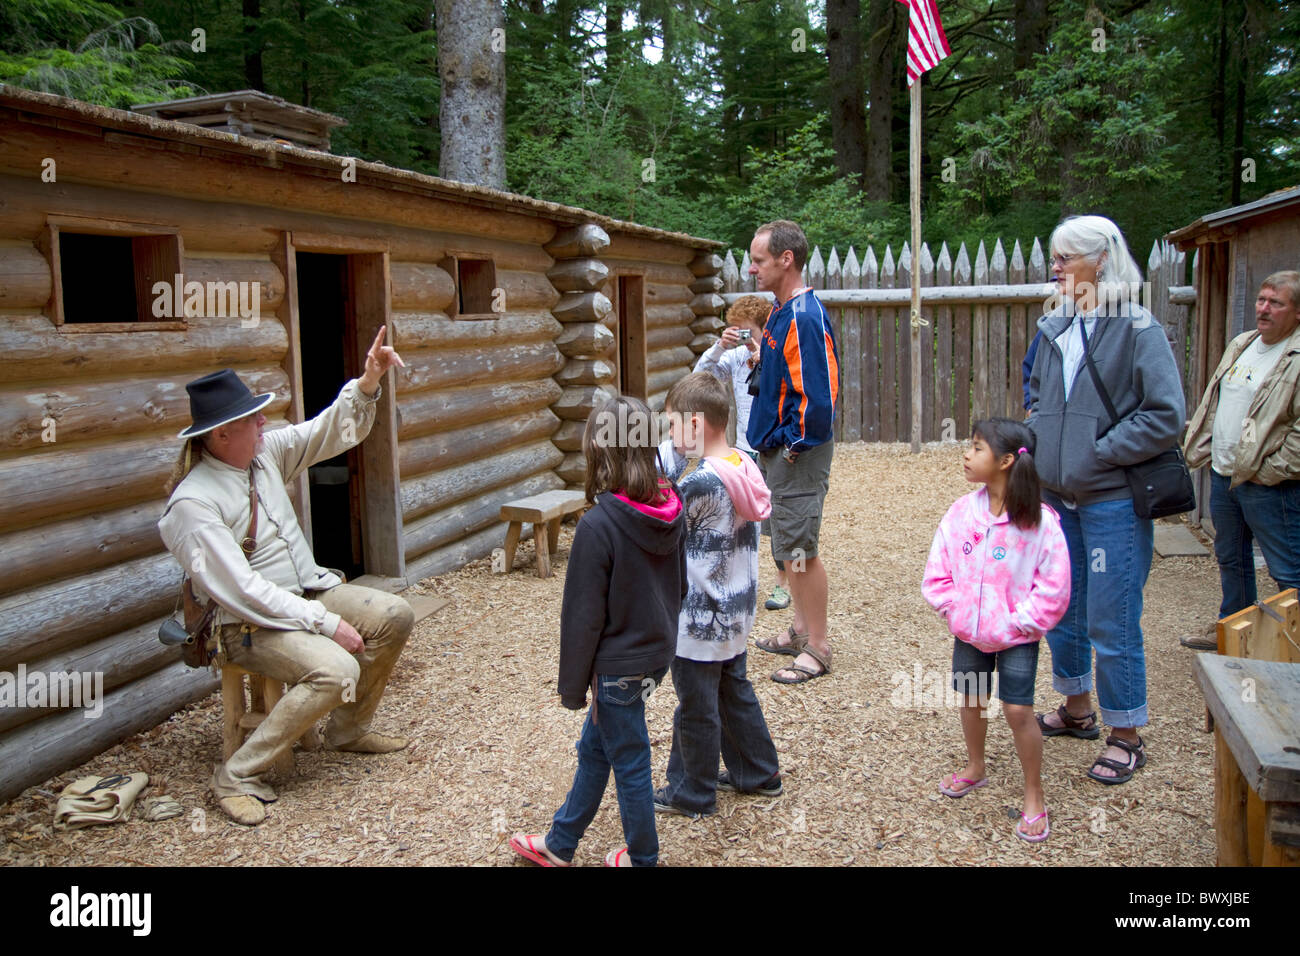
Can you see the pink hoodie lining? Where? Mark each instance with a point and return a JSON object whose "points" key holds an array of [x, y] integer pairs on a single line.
{"points": [[664, 512], [749, 493]]}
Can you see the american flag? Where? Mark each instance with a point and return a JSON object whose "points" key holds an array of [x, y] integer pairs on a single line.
{"points": [[926, 44]]}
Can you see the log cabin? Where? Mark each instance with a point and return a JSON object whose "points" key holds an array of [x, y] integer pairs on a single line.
{"points": [[139, 252]]}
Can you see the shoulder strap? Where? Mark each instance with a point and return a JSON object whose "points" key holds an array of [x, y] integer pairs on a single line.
{"points": [[1096, 379], [249, 544]]}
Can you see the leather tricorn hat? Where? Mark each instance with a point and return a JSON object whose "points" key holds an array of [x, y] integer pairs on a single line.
{"points": [[220, 398]]}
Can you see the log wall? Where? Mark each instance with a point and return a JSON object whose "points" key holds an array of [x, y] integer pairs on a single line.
{"points": [[485, 409]]}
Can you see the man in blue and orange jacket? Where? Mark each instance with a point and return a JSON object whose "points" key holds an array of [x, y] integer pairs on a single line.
{"points": [[791, 425]]}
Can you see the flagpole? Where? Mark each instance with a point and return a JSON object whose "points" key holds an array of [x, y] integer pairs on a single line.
{"points": [[914, 155]]}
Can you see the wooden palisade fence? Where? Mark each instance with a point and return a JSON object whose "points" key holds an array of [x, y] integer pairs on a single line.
{"points": [[982, 317]]}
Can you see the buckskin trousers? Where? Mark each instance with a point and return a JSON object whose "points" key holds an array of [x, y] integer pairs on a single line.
{"points": [[322, 677]]}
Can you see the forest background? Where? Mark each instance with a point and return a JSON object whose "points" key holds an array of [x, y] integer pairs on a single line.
{"points": [[710, 116]]}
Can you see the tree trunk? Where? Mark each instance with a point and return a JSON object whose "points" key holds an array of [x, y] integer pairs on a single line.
{"points": [[252, 57], [848, 109], [882, 44], [1239, 128], [304, 71], [1031, 32], [1219, 97], [614, 40], [471, 64]]}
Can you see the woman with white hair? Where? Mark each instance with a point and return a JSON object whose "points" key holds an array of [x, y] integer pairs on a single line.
{"points": [[1081, 457]]}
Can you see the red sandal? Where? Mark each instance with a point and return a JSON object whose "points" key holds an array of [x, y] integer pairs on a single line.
{"points": [[532, 847]]}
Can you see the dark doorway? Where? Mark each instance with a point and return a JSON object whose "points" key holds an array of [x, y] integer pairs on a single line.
{"points": [[327, 320], [632, 372]]}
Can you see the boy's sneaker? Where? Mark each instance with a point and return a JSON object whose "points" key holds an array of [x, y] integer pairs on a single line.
{"points": [[779, 601], [772, 788], [664, 805]]}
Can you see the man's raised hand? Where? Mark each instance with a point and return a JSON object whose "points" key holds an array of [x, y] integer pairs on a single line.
{"points": [[379, 360]]}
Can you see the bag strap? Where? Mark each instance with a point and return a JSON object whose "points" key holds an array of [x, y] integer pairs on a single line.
{"points": [[250, 538], [1096, 379]]}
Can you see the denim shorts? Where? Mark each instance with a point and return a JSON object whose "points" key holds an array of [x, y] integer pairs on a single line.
{"points": [[1017, 668]]}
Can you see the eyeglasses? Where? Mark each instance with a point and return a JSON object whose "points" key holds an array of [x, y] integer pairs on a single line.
{"points": [[1062, 260]]}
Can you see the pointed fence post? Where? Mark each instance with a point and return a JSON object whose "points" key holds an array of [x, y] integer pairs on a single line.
{"points": [[946, 424], [851, 352], [871, 351], [998, 379], [832, 278], [888, 354], [980, 341], [730, 273], [963, 382], [1017, 344]]}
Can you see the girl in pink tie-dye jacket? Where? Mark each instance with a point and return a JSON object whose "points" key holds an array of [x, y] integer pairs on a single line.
{"points": [[999, 575], [994, 581]]}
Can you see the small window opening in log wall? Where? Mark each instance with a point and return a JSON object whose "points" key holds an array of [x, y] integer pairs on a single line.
{"points": [[476, 283], [106, 282]]}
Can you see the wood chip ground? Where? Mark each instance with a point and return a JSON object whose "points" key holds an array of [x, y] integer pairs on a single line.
{"points": [[493, 750]]}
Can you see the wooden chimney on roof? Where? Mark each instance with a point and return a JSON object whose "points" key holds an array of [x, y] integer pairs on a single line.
{"points": [[253, 114]]}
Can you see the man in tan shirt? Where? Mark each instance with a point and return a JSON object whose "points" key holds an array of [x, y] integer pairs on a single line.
{"points": [[1247, 429], [281, 614]]}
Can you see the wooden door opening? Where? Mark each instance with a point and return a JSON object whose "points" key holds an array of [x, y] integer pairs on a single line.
{"points": [[328, 320], [632, 375]]}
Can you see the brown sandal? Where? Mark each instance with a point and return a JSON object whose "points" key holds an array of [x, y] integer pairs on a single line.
{"points": [[796, 646], [1084, 727], [804, 673]]}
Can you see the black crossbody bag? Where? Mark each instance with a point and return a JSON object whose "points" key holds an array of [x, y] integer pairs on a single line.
{"points": [[1161, 485]]}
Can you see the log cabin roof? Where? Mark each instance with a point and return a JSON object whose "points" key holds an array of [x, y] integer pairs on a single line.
{"points": [[64, 112], [1221, 225]]}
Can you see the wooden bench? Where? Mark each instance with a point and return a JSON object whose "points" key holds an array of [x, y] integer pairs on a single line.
{"points": [[544, 512]]}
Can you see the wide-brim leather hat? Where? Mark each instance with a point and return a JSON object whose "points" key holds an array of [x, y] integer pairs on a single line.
{"points": [[220, 398]]}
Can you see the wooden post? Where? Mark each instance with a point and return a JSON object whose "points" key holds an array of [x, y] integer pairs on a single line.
{"points": [[871, 376], [947, 416], [914, 161], [980, 406], [890, 397], [850, 353], [286, 260]]}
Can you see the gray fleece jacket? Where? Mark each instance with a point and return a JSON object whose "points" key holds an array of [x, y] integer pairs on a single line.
{"points": [[1080, 454]]}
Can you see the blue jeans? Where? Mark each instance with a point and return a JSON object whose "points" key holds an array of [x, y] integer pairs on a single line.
{"points": [[1249, 511], [717, 715], [1110, 557], [615, 739]]}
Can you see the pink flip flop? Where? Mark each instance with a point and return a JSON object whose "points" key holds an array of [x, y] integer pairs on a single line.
{"points": [[526, 846], [1034, 839], [970, 785]]}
